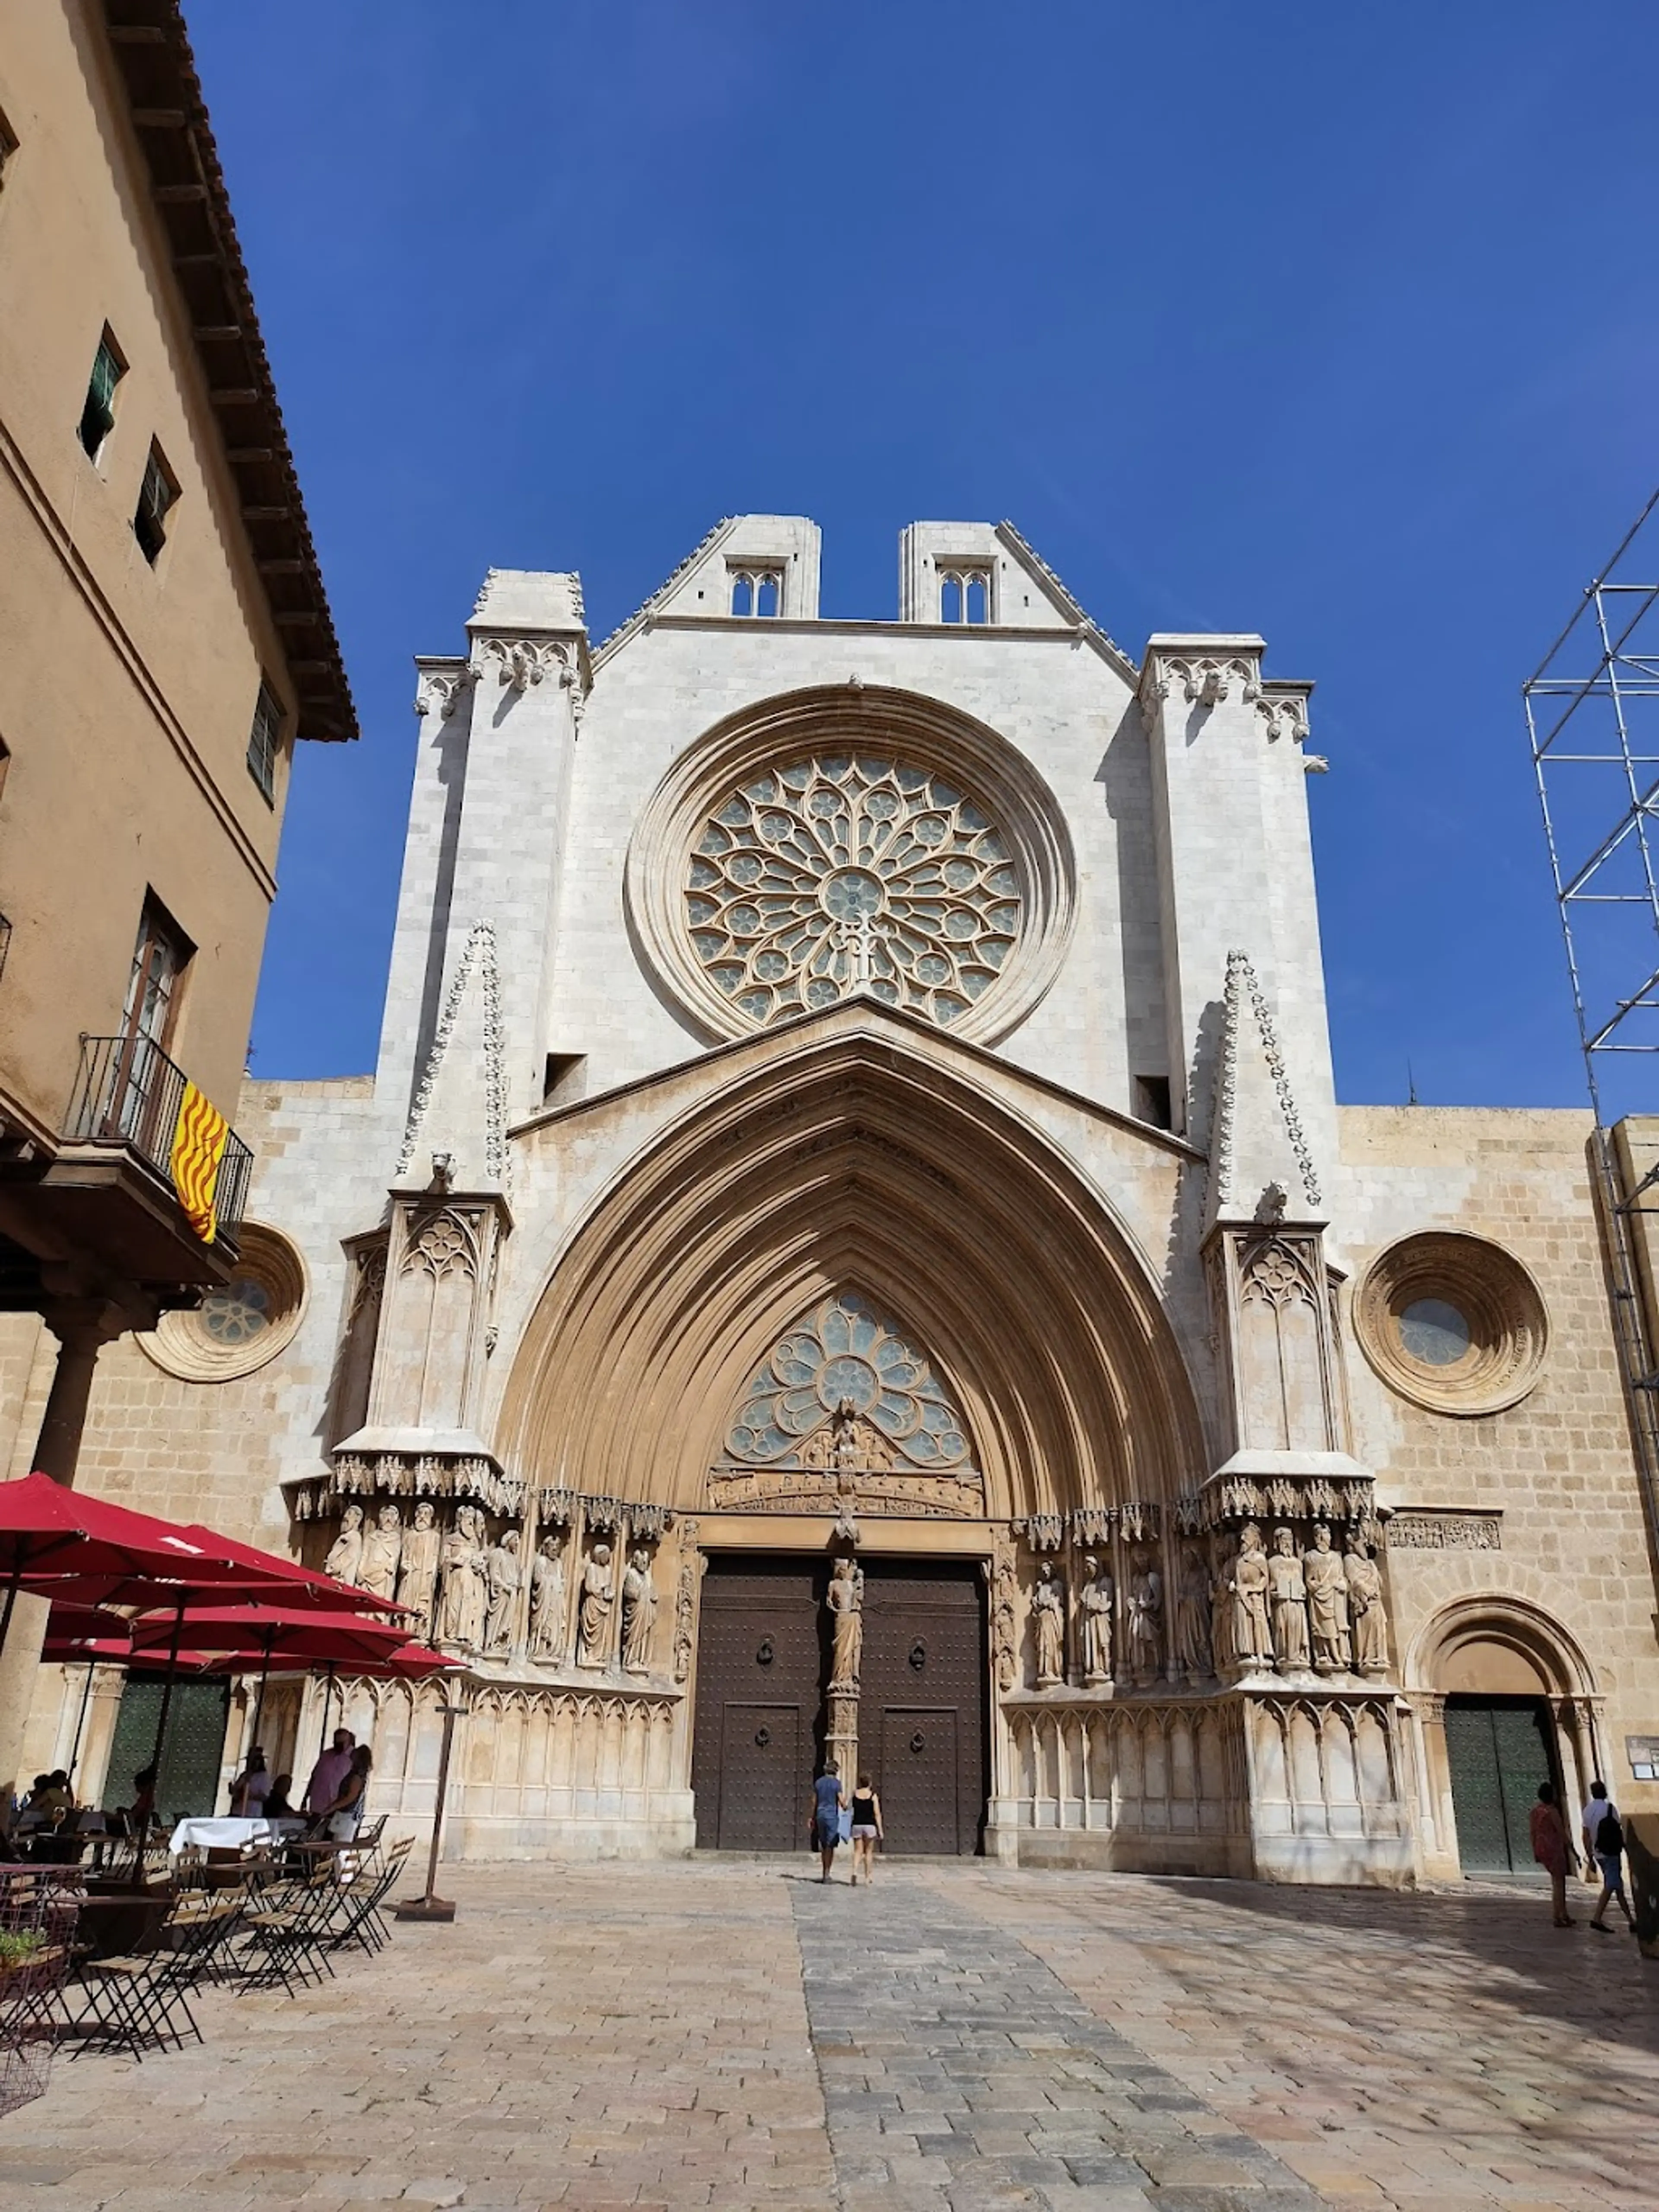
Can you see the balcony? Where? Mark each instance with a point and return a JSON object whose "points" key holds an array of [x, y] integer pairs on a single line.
{"points": [[109, 1194]]}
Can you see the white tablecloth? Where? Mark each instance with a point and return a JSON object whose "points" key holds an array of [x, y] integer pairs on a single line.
{"points": [[229, 1835]]}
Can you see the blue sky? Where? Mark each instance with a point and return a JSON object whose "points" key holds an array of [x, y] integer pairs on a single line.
{"points": [[1325, 321]]}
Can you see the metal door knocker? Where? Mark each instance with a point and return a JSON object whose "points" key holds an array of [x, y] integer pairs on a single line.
{"points": [[765, 1655], [763, 1737], [918, 1655], [918, 1742]]}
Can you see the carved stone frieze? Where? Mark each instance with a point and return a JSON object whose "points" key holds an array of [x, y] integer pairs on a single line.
{"points": [[812, 1490], [441, 689], [1418, 1530]]}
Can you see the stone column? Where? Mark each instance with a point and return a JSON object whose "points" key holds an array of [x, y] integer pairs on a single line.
{"points": [[83, 1325]]}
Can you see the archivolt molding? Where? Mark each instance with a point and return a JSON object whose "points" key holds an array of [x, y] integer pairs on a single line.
{"points": [[854, 1159], [856, 718], [1502, 1305], [1492, 1616]]}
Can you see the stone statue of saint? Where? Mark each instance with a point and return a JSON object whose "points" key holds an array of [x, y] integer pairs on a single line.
{"points": [[593, 1621], [1365, 1608], [417, 1571], [639, 1612], [1224, 1559], [547, 1599], [845, 1599], [345, 1554], [1252, 1638], [454, 1559], [1095, 1601], [1289, 1594], [1049, 1625], [1147, 1618], [475, 1584], [1328, 1604], [382, 1550], [501, 1563], [1193, 1615]]}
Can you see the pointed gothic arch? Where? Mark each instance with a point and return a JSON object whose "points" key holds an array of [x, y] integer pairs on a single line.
{"points": [[852, 1156]]}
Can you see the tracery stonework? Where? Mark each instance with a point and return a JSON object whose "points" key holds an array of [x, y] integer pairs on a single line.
{"points": [[845, 1409], [842, 873]]}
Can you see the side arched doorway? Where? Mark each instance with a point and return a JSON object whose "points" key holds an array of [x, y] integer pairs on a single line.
{"points": [[1507, 1700]]}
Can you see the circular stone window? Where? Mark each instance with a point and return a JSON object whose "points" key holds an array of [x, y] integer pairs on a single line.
{"points": [[1452, 1322], [241, 1324], [844, 872], [852, 842]]}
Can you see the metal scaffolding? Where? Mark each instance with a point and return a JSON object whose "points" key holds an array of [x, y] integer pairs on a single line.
{"points": [[1592, 716]]}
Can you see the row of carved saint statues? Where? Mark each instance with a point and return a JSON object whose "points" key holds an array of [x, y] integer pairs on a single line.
{"points": [[1240, 1610], [463, 1588]]}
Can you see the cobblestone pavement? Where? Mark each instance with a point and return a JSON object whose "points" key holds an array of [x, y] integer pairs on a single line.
{"points": [[730, 2033]]}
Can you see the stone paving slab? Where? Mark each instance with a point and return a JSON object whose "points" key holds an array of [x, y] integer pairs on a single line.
{"points": [[959, 2067], [591, 2038]]}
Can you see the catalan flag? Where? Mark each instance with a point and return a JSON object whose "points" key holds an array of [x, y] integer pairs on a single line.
{"points": [[199, 1145]]}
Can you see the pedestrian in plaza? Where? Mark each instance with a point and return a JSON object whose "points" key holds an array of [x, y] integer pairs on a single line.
{"points": [[1604, 1846], [866, 1829], [1550, 1848], [344, 1815], [823, 1816], [330, 1771], [249, 1791]]}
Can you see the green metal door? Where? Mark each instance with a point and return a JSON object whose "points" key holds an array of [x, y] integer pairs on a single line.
{"points": [[191, 1760], [1498, 1749]]}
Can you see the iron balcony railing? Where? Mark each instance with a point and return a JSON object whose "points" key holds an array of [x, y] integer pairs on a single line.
{"points": [[129, 1093]]}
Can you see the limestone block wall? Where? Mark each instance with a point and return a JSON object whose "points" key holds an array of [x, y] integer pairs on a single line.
{"points": [[1553, 1515]]}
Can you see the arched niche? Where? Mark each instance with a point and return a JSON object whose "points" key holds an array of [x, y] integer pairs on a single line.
{"points": [[855, 1157], [1494, 1644]]}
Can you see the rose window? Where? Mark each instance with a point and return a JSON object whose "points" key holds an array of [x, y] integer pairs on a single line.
{"points": [[842, 873], [846, 1357], [238, 1312]]}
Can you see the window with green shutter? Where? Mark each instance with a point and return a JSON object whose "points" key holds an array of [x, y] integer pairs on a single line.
{"points": [[155, 498], [263, 739], [98, 415]]}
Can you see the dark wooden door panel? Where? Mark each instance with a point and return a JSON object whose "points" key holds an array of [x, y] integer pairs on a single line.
{"points": [[759, 1646], [760, 1797], [918, 1785], [923, 1659]]}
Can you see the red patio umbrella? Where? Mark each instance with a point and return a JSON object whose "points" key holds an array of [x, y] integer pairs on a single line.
{"points": [[61, 1544], [304, 1633], [303, 1585]]}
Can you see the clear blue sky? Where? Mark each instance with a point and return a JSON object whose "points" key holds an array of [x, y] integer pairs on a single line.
{"points": [[1331, 322]]}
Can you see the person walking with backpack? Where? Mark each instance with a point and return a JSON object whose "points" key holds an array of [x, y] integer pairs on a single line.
{"points": [[1604, 1845]]}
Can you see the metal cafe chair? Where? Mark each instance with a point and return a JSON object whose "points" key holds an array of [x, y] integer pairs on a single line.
{"points": [[144, 1999], [363, 1923]]}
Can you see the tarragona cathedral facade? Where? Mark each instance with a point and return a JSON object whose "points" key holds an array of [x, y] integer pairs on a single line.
{"points": [[851, 1249]]}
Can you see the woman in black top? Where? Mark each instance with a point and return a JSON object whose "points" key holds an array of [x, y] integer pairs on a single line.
{"points": [[866, 1830]]}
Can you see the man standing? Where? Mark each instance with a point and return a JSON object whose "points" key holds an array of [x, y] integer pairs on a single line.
{"points": [[1604, 1847], [329, 1774]]}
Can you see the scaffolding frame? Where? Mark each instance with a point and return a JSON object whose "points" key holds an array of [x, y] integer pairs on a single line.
{"points": [[1592, 707]]}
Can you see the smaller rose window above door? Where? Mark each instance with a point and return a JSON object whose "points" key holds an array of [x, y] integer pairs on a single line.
{"points": [[844, 872]]}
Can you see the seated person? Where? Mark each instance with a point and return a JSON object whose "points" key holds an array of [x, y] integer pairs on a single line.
{"points": [[130, 1819], [277, 1806]]}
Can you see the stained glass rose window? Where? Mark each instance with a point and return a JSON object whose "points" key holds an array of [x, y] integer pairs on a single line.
{"points": [[842, 872], [847, 1356]]}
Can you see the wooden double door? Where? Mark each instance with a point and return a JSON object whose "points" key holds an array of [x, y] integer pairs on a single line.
{"points": [[762, 1670]]}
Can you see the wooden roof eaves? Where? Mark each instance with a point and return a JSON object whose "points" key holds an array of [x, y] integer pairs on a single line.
{"points": [[151, 52]]}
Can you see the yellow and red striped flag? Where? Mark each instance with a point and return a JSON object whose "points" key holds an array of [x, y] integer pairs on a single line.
{"points": [[199, 1145]]}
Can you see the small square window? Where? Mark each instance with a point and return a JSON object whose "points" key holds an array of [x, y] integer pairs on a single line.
{"points": [[98, 414], [1152, 1101], [155, 498], [264, 740]]}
